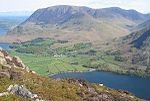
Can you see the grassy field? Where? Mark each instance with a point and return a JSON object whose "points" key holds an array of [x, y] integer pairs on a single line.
{"points": [[45, 65], [40, 57]]}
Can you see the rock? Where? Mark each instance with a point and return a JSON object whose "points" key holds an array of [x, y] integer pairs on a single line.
{"points": [[1, 55], [12, 62], [15, 75], [27, 69], [33, 72], [9, 88], [38, 100], [3, 52], [18, 62], [2, 60], [9, 60], [21, 91], [101, 84], [4, 74], [4, 93]]}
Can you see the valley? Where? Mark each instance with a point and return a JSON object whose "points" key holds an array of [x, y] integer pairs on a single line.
{"points": [[66, 40]]}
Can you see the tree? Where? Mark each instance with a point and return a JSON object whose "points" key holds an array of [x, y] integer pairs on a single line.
{"points": [[148, 54]]}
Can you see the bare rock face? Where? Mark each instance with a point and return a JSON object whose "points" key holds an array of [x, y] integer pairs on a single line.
{"points": [[18, 62], [21, 91], [2, 60], [9, 60], [14, 62]]}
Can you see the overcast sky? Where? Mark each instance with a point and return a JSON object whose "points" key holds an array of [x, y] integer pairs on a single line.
{"points": [[31, 5]]}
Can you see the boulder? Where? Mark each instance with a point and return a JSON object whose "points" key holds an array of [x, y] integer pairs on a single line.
{"points": [[4, 94], [21, 91]]}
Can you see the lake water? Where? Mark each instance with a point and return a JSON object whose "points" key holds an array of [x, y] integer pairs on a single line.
{"points": [[10, 21], [136, 85], [3, 31], [5, 45]]}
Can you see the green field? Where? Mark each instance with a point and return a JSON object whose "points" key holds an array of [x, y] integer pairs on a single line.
{"points": [[40, 57], [45, 65]]}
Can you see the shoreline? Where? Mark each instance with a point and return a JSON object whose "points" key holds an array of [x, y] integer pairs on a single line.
{"points": [[51, 75], [92, 70]]}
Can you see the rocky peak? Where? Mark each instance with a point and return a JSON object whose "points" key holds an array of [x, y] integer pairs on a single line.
{"points": [[14, 62], [63, 13]]}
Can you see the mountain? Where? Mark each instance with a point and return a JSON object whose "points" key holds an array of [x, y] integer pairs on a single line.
{"points": [[143, 39], [79, 23], [144, 24], [135, 47], [19, 83], [62, 14]]}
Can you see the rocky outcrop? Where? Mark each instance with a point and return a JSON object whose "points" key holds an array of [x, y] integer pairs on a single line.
{"points": [[15, 62], [12, 74], [21, 91], [4, 93], [18, 62]]}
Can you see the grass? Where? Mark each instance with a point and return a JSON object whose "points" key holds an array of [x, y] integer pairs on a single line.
{"points": [[53, 90], [40, 57], [45, 65]]}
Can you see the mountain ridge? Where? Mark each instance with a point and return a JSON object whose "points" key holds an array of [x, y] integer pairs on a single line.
{"points": [[75, 23], [93, 12]]}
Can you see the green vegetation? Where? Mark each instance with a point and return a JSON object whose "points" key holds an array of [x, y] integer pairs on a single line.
{"points": [[41, 57], [56, 90]]}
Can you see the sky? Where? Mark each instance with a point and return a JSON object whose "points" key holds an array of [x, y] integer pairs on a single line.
{"points": [[142, 6]]}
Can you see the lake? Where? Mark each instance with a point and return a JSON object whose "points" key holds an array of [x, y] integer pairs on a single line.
{"points": [[6, 22], [3, 31], [136, 85], [5, 45]]}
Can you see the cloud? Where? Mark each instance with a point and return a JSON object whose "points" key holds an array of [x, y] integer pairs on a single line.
{"points": [[23, 5]]}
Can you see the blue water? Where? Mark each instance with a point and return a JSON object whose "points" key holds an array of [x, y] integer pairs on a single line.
{"points": [[10, 20], [3, 31], [136, 85], [5, 45]]}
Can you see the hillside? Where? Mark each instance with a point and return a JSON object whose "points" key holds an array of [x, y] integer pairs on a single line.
{"points": [[77, 23], [19, 83], [144, 24], [133, 48]]}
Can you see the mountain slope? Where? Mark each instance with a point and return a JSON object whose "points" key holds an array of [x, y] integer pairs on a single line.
{"points": [[18, 83], [144, 24], [134, 48], [61, 14], [143, 39], [79, 23]]}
